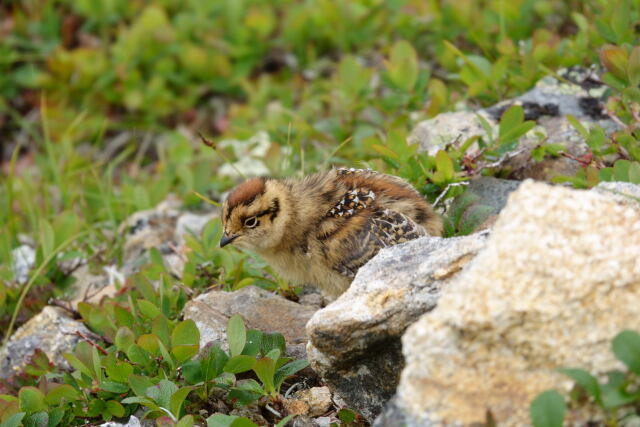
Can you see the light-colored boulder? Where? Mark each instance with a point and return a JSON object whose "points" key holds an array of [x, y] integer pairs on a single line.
{"points": [[260, 309], [355, 341], [558, 279]]}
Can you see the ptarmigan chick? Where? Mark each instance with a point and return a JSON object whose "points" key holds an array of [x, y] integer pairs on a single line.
{"points": [[322, 228]]}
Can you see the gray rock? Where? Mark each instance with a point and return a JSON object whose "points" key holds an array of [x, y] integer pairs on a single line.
{"points": [[304, 421], [51, 330], [622, 192], [133, 422], [22, 259], [190, 222], [152, 228], [392, 415], [558, 278], [492, 192], [580, 94], [260, 309], [355, 341]]}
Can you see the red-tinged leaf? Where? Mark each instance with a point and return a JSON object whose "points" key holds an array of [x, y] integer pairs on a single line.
{"points": [[615, 59]]}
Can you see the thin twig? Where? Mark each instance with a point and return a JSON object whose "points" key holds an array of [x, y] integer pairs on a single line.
{"points": [[290, 389], [446, 190], [65, 305], [273, 411], [91, 342]]}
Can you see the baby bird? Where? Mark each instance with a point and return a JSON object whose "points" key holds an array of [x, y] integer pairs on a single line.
{"points": [[322, 228]]}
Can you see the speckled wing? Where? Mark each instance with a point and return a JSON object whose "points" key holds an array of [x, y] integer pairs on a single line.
{"points": [[382, 229]]}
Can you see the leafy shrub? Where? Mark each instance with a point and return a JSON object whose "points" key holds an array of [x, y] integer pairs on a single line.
{"points": [[618, 392]]}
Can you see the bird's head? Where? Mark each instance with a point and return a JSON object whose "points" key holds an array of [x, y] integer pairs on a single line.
{"points": [[253, 215]]}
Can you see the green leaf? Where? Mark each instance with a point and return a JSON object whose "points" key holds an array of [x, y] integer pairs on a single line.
{"points": [[243, 422], [138, 355], [236, 335], [444, 165], [150, 343], [38, 419], [403, 65], [548, 409], [578, 126], [254, 342], [177, 399], [240, 363], [242, 397], [115, 408], [213, 364], [77, 364], [613, 396], [347, 416], [31, 400], [596, 138], [183, 353], [114, 387], [142, 401], [517, 132], [123, 316], [161, 393], [265, 369], [160, 327], [288, 370], [634, 173], [626, 347], [185, 333], [633, 66], [139, 384], [271, 341], [186, 421], [512, 117], [14, 421], [119, 371], [148, 309], [621, 170], [124, 338], [283, 422], [47, 238], [615, 59], [62, 392], [585, 380], [55, 416], [221, 420]]}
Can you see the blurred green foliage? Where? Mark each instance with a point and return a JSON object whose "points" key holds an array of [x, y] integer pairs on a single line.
{"points": [[100, 102]]}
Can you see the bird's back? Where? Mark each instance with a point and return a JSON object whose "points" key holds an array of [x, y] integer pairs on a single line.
{"points": [[358, 212]]}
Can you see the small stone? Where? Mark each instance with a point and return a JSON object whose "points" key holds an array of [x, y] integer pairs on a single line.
{"points": [[133, 422], [304, 421], [318, 400], [22, 259], [52, 331], [260, 309], [296, 406]]}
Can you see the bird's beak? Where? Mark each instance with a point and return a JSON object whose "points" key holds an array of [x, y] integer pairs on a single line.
{"points": [[226, 239]]}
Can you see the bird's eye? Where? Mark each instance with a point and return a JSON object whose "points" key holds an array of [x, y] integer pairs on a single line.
{"points": [[251, 222]]}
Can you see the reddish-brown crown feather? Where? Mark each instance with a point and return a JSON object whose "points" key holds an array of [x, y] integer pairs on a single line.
{"points": [[246, 192]]}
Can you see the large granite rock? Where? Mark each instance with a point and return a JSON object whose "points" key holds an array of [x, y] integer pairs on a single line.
{"points": [[580, 93], [260, 309], [558, 279], [52, 331], [355, 341]]}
